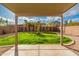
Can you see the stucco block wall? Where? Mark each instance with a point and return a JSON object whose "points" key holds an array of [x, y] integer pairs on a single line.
{"points": [[7, 29], [73, 30]]}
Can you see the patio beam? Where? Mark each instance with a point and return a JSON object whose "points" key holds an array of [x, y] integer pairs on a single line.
{"points": [[16, 36], [70, 7], [61, 30], [38, 14]]}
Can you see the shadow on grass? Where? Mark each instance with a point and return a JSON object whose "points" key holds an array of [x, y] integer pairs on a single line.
{"points": [[51, 32]]}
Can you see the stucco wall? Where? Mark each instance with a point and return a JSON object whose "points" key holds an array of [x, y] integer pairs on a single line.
{"points": [[7, 29], [72, 30], [11, 29]]}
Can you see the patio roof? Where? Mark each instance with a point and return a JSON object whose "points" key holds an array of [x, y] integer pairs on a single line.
{"points": [[39, 9]]}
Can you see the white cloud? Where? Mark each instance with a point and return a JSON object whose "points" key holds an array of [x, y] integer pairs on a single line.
{"points": [[73, 11], [75, 19], [10, 21], [35, 19]]}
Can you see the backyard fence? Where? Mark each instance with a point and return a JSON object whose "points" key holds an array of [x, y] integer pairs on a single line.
{"points": [[71, 30], [41, 28], [7, 29], [21, 28]]}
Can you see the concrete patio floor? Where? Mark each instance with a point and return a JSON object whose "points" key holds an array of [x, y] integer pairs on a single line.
{"points": [[41, 50]]}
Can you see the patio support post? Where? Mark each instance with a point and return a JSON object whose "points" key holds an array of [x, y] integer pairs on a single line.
{"points": [[16, 36], [61, 30]]}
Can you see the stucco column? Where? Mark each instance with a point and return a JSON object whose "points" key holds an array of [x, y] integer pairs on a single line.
{"points": [[16, 36], [61, 30]]}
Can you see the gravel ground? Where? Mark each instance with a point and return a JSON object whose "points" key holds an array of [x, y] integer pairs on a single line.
{"points": [[4, 49], [74, 47]]}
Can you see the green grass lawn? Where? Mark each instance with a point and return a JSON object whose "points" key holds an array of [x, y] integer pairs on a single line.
{"points": [[33, 38]]}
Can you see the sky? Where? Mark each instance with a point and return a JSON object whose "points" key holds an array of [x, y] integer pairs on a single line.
{"points": [[6, 14], [43, 19], [71, 14]]}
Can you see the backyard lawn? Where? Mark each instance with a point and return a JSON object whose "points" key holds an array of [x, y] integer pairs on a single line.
{"points": [[33, 38]]}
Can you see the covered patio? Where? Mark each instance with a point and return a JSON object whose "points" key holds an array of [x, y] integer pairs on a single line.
{"points": [[39, 9], [41, 50]]}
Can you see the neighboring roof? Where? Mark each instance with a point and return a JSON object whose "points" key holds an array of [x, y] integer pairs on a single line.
{"points": [[39, 9]]}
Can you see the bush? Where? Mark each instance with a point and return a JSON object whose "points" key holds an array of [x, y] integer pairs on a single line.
{"points": [[73, 24]]}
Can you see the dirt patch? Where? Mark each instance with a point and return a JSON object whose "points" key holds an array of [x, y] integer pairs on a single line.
{"points": [[5, 35], [4, 49]]}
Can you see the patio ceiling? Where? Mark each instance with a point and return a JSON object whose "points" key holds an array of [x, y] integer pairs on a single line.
{"points": [[39, 9]]}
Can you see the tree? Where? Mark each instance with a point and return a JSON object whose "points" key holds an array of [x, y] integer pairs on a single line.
{"points": [[25, 21], [25, 24], [38, 27], [2, 21], [6, 22]]}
